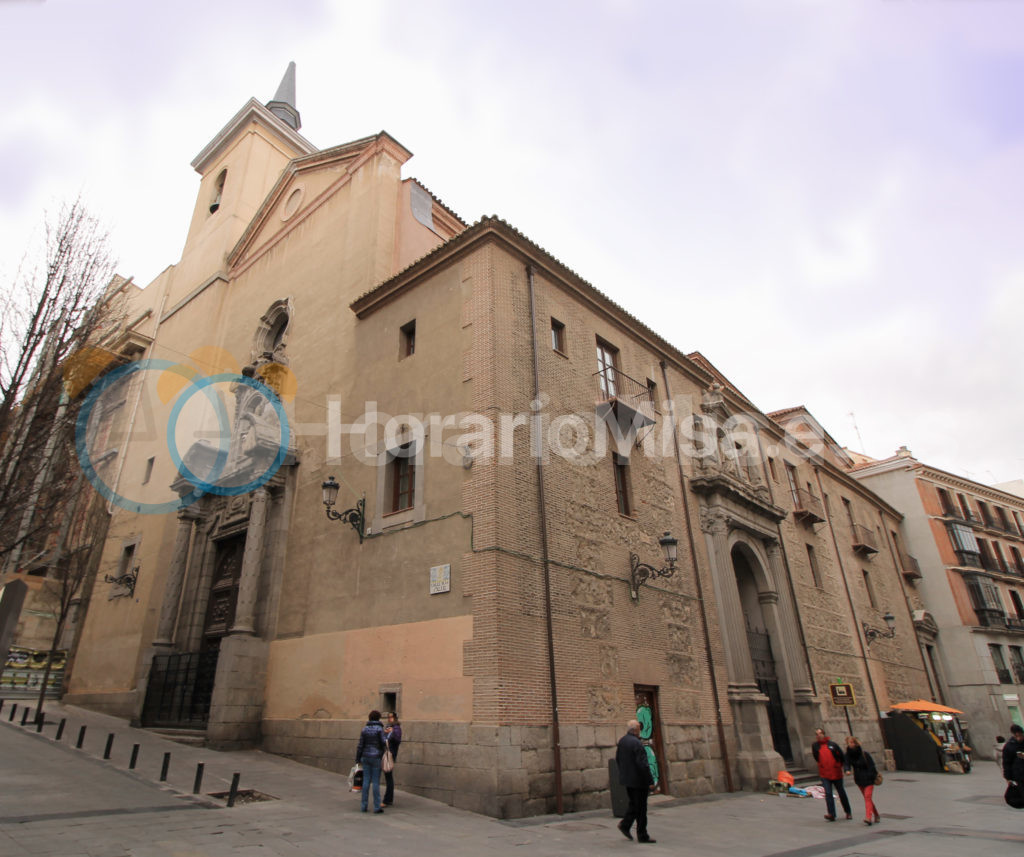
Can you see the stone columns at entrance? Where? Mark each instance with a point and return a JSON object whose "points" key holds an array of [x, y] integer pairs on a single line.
{"points": [[715, 525], [175, 579], [252, 561], [792, 652]]}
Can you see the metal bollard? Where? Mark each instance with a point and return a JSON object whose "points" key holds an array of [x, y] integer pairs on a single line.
{"points": [[134, 758], [60, 729], [234, 789], [81, 738], [14, 710], [110, 744], [2, 701], [198, 784], [24, 716], [40, 720], [166, 765]]}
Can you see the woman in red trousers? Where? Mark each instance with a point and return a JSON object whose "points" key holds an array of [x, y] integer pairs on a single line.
{"points": [[859, 760]]}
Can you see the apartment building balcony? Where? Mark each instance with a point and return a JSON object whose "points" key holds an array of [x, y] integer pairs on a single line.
{"points": [[625, 399], [910, 567], [807, 507], [1015, 623], [989, 617], [968, 559], [864, 541], [990, 564]]}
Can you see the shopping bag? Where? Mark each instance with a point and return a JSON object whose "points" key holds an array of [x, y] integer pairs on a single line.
{"points": [[355, 778], [387, 762]]}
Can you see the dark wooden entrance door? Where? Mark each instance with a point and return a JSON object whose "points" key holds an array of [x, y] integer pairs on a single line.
{"points": [[650, 732], [768, 683], [220, 609]]}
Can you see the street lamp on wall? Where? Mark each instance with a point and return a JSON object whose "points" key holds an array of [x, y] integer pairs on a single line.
{"points": [[641, 572], [872, 634], [356, 516]]}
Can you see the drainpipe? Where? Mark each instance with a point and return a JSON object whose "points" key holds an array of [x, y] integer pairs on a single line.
{"points": [[849, 597], [543, 517], [722, 744]]}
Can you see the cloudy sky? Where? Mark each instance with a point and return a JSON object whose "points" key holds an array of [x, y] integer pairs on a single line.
{"points": [[823, 196]]}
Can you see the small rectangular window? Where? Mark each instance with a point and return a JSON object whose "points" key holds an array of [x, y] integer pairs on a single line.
{"points": [[812, 560], [771, 469], [870, 589], [557, 336], [622, 492], [608, 368], [945, 502], [403, 480], [965, 507], [149, 470], [408, 343]]}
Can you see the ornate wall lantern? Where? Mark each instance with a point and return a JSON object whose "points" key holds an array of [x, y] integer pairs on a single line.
{"points": [[872, 634], [356, 516], [641, 572]]}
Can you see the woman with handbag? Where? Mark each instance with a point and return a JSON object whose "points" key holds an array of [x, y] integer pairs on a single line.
{"points": [[392, 737], [865, 775]]}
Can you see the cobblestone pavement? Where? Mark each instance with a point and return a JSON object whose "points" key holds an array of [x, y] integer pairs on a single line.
{"points": [[56, 799]]}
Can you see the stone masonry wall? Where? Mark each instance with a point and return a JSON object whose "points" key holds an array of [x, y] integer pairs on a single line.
{"points": [[501, 771]]}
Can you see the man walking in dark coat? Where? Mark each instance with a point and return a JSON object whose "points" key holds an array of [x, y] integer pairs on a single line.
{"points": [[635, 775], [1013, 756]]}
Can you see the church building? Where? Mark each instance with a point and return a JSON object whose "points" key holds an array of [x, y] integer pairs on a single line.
{"points": [[361, 455]]}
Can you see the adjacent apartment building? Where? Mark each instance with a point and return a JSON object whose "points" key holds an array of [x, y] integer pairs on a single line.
{"points": [[968, 540], [364, 455]]}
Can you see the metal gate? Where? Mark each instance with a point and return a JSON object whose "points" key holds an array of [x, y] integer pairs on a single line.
{"points": [[179, 690], [768, 683]]}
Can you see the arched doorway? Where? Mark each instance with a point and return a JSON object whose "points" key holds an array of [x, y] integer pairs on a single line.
{"points": [[760, 642]]}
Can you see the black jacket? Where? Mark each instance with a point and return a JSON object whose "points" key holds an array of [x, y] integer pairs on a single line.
{"points": [[631, 757], [1013, 761], [371, 741], [860, 762]]}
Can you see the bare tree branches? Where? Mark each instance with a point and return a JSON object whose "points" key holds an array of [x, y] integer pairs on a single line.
{"points": [[56, 306]]}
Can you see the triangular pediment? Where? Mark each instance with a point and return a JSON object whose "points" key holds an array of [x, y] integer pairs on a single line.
{"points": [[303, 187]]}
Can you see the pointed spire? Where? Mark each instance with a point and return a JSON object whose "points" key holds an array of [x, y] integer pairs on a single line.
{"points": [[283, 103]]}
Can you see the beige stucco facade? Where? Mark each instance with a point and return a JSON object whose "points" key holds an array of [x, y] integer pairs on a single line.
{"points": [[353, 291]]}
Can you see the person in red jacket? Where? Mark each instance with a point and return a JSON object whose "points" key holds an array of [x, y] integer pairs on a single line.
{"points": [[829, 756]]}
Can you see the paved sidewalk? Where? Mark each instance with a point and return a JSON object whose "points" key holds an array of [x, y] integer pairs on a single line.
{"points": [[59, 800]]}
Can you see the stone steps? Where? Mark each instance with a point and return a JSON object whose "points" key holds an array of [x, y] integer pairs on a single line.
{"points": [[188, 737]]}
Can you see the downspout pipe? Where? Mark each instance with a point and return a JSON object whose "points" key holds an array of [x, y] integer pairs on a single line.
{"points": [[722, 743], [543, 518]]}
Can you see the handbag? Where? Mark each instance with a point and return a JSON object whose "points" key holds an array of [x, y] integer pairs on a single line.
{"points": [[387, 762], [878, 779], [1014, 795]]}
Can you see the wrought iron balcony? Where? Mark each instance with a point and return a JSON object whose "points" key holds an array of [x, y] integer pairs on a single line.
{"points": [[864, 540], [1015, 623], [1018, 673], [989, 617], [626, 398], [807, 507], [911, 567]]}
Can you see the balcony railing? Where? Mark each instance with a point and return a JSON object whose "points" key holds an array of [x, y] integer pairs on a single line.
{"points": [[616, 386], [1015, 623], [911, 567], [990, 563], [1004, 675], [990, 618], [864, 540], [968, 559], [1018, 673], [807, 507]]}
